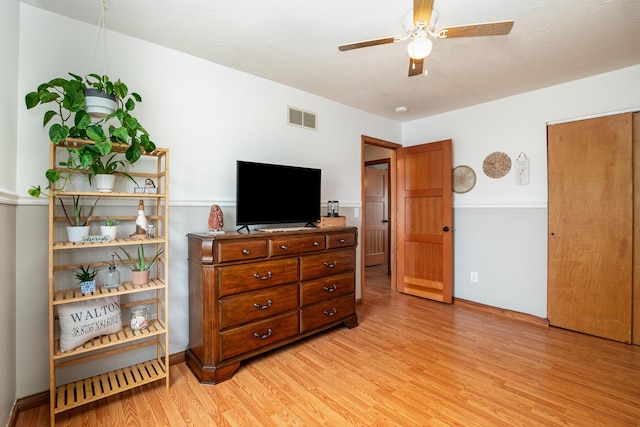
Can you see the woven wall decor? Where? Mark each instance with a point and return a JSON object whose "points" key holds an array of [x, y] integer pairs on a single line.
{"points": [[464, 179], [496, 165]]}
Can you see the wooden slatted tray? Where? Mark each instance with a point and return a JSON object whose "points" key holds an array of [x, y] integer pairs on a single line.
{"points": [[81, 392], [66, 296], [105, 341]]}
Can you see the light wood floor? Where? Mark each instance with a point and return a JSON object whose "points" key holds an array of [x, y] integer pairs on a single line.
{"points": [[411, 362]]}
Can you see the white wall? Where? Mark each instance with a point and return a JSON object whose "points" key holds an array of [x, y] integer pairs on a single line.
{"points": [[500, 227], [9, 18], [208, 116]]}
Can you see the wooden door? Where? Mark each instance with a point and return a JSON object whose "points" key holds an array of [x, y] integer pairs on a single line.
{"points": [[424, 231], [591, 226], [376, 207]]}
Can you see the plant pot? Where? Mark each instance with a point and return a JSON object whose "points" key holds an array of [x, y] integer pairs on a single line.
{"points": [[89, 286], [75, 234], [99, 104], [140, 277], [104, 182], [109, 230]]}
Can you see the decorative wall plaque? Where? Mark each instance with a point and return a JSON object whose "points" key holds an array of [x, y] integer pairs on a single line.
{"points": [[464, 179], [496, 165]]}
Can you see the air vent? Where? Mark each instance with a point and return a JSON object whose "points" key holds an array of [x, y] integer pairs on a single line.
{"points": [[303, 119]]}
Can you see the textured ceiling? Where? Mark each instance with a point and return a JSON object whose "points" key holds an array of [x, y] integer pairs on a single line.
{"points": [[294, 42]]}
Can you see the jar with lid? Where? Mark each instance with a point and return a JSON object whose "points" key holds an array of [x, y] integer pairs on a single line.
{"points": [[139, 317]]}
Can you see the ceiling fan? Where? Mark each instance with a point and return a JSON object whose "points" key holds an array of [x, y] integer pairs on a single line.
{"points": [[420, 32]]}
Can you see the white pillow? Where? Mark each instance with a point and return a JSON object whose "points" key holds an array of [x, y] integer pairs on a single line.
{"points": [[84, 320]]}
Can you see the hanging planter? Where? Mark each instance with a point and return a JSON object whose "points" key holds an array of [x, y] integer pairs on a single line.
{"points": [[99, 104]]}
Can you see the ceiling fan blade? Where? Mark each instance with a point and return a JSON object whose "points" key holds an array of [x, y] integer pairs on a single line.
{"points": [[367, 43], [415, 67], [422, 10], [476, 30]]}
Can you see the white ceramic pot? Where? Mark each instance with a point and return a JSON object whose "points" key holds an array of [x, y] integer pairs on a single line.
{"points": [[109, 230], [104, 182], [75, 234], [98, 104]]}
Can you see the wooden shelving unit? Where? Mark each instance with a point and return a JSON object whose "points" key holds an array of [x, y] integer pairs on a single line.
{"points": [[62, 258]]}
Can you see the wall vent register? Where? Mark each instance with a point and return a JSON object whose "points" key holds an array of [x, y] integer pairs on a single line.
{"points": [[301, 118]]}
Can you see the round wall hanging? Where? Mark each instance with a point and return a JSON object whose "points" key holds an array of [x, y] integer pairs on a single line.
{"points": [[496, 165], [464, 179]]}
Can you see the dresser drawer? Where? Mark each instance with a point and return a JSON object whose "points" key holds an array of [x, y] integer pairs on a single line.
{"points": [[234, 279], [324, 289], [237, 251], [250, 306], [244, 339], [295, 245], [340, 240], [324, 264], [323, 313]]}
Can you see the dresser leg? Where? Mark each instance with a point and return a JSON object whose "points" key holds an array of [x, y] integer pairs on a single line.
{"points": [[351, 322], [207, 374]]}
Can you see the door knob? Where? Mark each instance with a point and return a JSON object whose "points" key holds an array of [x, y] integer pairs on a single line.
{"points": [[385, 221], [445, 229]]}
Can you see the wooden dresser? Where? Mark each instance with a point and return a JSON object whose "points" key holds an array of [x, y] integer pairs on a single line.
{"points": [[251, 293]]}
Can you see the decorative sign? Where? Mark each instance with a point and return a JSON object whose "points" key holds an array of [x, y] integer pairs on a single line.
{"points": [[95, 239], [522, 169]]}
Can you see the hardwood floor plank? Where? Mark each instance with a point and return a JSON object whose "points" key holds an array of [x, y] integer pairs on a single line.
{"points": [[410, 362]]}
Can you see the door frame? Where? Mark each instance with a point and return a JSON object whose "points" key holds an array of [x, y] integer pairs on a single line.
{"points": [[392, 146]]}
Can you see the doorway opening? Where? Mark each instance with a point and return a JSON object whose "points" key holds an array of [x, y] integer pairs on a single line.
{"points": [[378, 217]]}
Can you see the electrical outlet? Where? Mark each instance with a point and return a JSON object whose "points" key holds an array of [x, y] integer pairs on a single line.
{"points": [[473, 277]]}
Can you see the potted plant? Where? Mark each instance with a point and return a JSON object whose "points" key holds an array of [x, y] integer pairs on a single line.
{"points": [[73, 121], [109, 228], [86, 278], [78, 224], [140, 266], [105, 173]]}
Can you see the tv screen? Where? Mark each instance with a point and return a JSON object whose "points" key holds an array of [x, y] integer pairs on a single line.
{"points": [[276, 194]]}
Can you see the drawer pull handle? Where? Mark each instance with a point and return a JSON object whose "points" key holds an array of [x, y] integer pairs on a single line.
{"points": [[263, 307], [316, 243], [259, 277], [330, 313], [333, 264], [245, 252], [284, 247], [342, 241], [261, 337], [331, 289]]}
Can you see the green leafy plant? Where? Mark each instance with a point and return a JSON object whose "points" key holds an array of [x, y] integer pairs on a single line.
{"points": [[110, 222], [70, 120], [140, 263], [110, 167], [76, 219], [85, 274]]}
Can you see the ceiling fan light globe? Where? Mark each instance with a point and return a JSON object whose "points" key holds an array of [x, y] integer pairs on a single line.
{"points": [[420, 48]]}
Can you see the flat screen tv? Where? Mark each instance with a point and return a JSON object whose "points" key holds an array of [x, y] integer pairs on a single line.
{"points": [[276, 194]]}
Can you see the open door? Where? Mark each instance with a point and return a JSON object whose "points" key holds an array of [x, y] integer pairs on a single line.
{"points": [[376, 227], [425, 221]]}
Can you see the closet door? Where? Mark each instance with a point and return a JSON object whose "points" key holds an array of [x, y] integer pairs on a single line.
{"points": [[590, 170]]}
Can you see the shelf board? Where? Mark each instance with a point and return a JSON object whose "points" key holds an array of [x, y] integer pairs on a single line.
{"points": [[88, 390], [111, 195], [123, 241], [126, 335], [66, 296], [115, 147]]}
